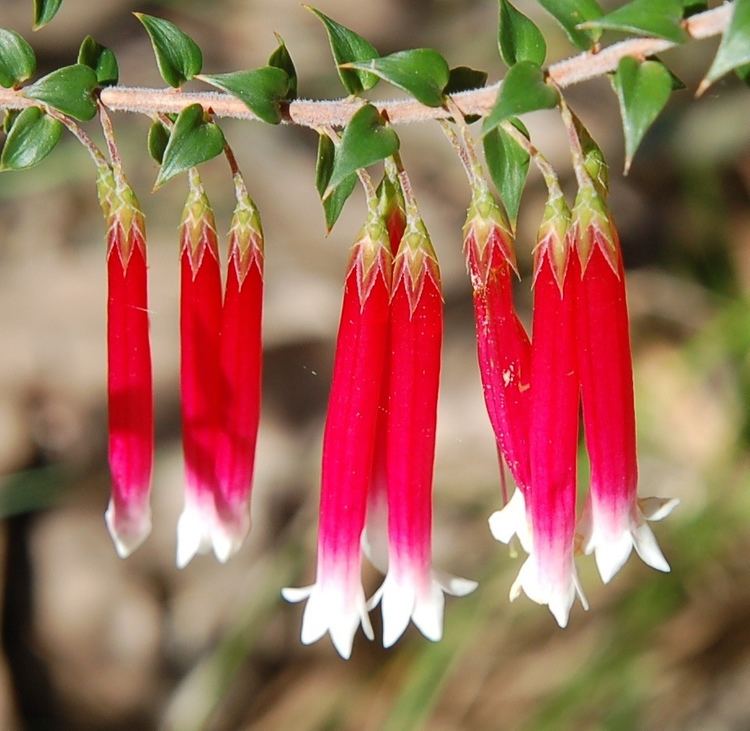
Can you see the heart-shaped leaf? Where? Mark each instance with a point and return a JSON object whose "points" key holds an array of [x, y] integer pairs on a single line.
{"points": [[569, 14], [643, 89], [523, 90], [734, 49], [660, 18], [101, 59], [177, 54], [17, 59], [281, 59], [333, 204], [348, 47], [69, 90], [44, 11], [158, 139], [32, 137], [261, 90], [518, 38], [422, 72], [508, 164], [463, 78], [366, 140], [192, 141]]}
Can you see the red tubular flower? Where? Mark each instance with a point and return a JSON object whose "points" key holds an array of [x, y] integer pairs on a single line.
{"points": [[614, 519], [412, 590], [548, 576], [129, 380], [200, 322], [336, 602], [240, 364]]}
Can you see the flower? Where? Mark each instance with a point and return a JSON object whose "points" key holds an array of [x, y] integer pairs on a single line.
{"points": [[336, 601], [129, 379], [200, 388], [240, 366]]}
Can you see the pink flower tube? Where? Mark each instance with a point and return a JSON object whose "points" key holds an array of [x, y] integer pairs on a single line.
{"points": [[412, 590], [240, 363], [129, 379], [336, 601], [200, 322], [614, 520], [548, 575]]}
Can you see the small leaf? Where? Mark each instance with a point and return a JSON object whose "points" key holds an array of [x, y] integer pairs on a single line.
{"points": [[660, 18], [69, 90], [421, 72], [281, 59], [692, 7], [17, 59], [101, 59], [191, 142], [177, 54], [348, 47], [643, 90], [569, 14], [366, 140], [518, 38], [734, 49], [261, 90], [10, 117], [523, 90], [463, 78], [333, 204], [158, 139], [508, 164], [32, 137], [44, 11]]}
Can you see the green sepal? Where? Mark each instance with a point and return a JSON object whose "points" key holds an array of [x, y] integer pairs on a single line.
{"points": [[333, 204], [44, 11], [569, 14], [245, 232], [552, 237], [281, 59], [158, 138], [421, 72], [523, 90], [197, 216], [734, 49], [70, 90], [484, 216], [348, 47], [31, 138], [177, 55], [192, 141], [17, 59], [658, 18], [261, 90], [390, 197], [593, 158], [101, 59], [518, 38], [591, 217]]}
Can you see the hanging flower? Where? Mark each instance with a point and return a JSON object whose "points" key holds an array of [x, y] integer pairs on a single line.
{"points": [[336, 601], [614, 520], [200, 388], [240, 365], [129, 379], [412, 590]]}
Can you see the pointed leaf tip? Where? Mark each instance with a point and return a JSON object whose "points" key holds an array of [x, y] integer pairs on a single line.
{"points": [[518, 38], [70, 90], [261, 90], [734, 49], [177, 55], [17, 59], [659, 18], [44, 12]]}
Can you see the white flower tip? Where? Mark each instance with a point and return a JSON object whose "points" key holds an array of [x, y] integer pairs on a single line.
{"points": [[295, 594], [657, 508], [612, 554], [648, 549], [229, 535], [127, 534], [396, 604], [511, 520], [193, 535]]}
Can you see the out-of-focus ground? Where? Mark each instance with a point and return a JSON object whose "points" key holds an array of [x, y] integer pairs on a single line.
{"points": [[93, 642]]}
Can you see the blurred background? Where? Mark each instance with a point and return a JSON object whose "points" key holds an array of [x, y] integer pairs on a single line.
{"points": [[93, 642]]}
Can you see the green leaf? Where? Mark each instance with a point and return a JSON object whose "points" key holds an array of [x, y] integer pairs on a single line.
{"points": [[523, 90], [17, 59], [177, 54], [333, 204], [69, 90], [660, 18], [643, 90], [348, 47], [44, 11], [569, 14], [421, 72], [32, 137], [734, 49], [281, 59], [463, 78], [158, 139], [101, 59], [261, 90], [366, 140], [10, 116], [508, 164], [191, 142], [518, 38], [743, 73]]}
